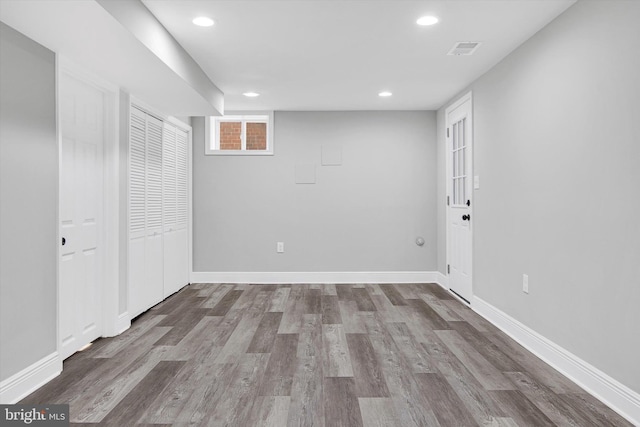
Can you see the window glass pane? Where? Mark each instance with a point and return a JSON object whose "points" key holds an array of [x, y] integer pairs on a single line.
{"points": [[455, 136], [463, 190], [256, 138], [230, 135], [455, 191], [464, 125], [454, 158]]}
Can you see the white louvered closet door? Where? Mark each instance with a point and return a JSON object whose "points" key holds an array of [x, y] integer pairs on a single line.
{"points": [[175, 190], [145, 212], [182, 183], [154, 252], [169, 176], [137, 210], [158, 188]]}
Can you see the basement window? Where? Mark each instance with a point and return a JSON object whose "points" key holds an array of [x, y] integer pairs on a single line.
{"points": [[240, 134]]}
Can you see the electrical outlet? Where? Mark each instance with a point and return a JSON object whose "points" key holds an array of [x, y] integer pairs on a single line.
{"points": [[280, 247], [525, 283]]}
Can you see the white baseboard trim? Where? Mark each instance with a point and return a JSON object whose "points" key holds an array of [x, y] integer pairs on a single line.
{"points": [[442, 280], [117, 326], [619, 397], [123, 323], [30, 379], [338, 277]]}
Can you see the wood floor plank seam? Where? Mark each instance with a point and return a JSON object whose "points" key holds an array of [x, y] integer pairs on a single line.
{"points": [[316, 355]]}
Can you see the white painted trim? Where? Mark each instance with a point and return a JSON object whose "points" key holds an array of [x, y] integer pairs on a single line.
{"points": [[25, 382], [58, 231], [442, 280], [211, 128], [614, 394], [125, 145], [123, 323], [463, 98], [190, 205], [141, 105], [111, 289], [316, 277]]}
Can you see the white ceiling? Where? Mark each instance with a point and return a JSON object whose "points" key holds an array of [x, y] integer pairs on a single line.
{"points": [[338, 54]]}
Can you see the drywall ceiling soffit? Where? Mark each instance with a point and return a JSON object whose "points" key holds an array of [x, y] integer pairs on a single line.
{"points": [[84, 33], [337, 55]]}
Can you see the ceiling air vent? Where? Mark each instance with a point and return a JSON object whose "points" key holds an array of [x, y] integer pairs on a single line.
{"points": [[464, 48]]}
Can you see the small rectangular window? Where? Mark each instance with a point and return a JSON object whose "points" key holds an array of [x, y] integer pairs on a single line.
{"points": [[240, 134]]}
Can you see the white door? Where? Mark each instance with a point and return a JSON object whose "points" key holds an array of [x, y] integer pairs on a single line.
{"points": [[154, 252], [146, 268], [459, 199], [81, 195], [137, 211], [174, 178]]}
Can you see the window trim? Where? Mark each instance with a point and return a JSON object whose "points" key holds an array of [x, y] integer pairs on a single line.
{"points": [[212, 129]]}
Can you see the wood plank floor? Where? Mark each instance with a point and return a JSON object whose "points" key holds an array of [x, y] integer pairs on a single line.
{"points": [[316, 355]]}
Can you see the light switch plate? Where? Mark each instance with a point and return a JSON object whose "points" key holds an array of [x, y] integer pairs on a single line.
{"points": [[476, 182]]}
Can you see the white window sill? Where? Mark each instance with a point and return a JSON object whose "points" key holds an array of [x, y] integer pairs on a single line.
{"points": [[238, 153]]}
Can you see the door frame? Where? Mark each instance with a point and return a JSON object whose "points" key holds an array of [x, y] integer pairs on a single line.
{"points": [[467, 97], [112, 322]]}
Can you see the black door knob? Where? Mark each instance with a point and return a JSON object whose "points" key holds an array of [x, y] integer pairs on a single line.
{"points": [[64, 241], [466, 217]]}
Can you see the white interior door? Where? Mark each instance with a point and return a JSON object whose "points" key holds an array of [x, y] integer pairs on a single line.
{"points": [[154, 252], [137, 211], [459, 199], [174, 178], [81, 196], [146, 269]]}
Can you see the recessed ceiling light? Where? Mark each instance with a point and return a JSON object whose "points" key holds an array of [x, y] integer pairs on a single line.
{"points": [[427, 20], [385, 94], [203, 21], [251, 94]]}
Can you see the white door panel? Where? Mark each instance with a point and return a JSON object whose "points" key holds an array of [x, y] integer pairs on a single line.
{"points": [[81, 184], [174, 188], [146, 256], [459, 184], [154, 256], [175, 260], [137, 276]]}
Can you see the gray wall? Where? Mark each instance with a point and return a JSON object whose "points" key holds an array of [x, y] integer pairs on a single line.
{"points": [[28, 202], [557, 145], [361, 216]]}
